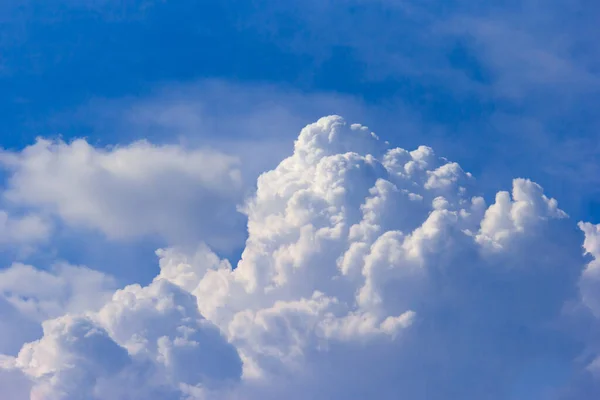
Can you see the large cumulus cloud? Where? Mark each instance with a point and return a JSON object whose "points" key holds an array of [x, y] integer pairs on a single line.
{"points": [[368, 272]]}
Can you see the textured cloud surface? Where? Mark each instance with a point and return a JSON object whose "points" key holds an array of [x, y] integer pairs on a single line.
{"points": [[126, 192], [368, 272]]}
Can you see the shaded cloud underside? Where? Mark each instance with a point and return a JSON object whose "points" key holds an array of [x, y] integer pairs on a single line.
{"points": [[368, 272]]}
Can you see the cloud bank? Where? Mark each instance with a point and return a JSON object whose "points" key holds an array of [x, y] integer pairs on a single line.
{"points": [[127, 192], [368, 272]]}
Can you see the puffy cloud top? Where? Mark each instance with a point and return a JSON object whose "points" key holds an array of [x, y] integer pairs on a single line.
{"points": [[368, 272]]}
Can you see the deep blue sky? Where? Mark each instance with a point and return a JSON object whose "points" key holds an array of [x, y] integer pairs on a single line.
{"points": [[504, 88]]}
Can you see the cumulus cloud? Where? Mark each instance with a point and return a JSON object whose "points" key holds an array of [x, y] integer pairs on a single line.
{"points": [[145, 342], [590, 280], [368, 272], [130, 191], [590, 296], [29, 296]]}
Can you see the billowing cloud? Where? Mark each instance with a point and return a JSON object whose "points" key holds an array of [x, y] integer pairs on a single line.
{"points": [[590, 296], [368, 272], [29, 296], [590, 280], [131, 191], [146, 342]]}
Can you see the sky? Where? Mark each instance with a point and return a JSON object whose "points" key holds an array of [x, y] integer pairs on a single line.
{"points": [[266, 199]]}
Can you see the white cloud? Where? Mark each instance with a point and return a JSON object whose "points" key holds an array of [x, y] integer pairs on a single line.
{"points": [[584, 320], [41, 295], [126, 192], [29, 296], [256, 122], [27, 229], [368, 272], [145, 343]]}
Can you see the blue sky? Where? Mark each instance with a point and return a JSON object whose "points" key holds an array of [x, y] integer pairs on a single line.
{"points": [[517, 80], [507, 89]]}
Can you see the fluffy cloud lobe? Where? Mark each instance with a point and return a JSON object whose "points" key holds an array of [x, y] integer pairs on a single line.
{"points": [[368, 272], [127, 192]]}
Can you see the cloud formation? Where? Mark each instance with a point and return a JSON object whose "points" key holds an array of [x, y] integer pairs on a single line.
{"points": [[130, 191], [26, 229], [41, 295], [368, 271]]}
